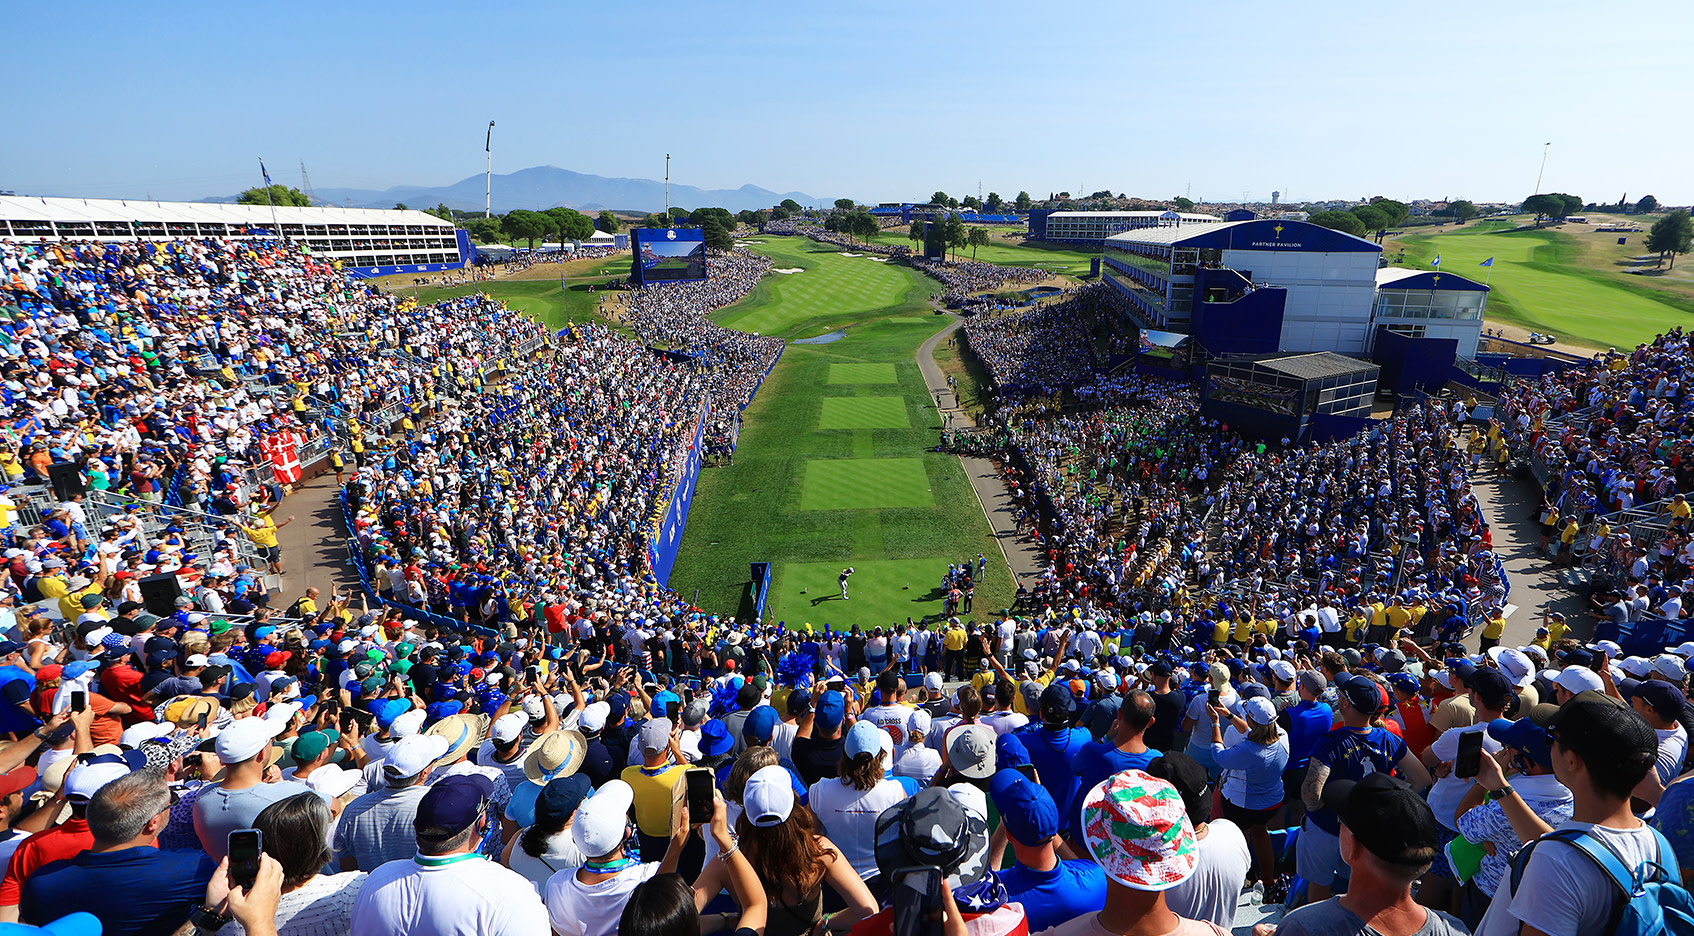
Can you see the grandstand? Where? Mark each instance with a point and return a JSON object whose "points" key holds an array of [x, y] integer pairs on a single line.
{"points": [[1092, 227], [363, 241]]}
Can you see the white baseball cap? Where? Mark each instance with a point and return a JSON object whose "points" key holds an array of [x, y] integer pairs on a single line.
{"points": [[768, 798], [144, 731], [1259, 710], [245, 738], [593, 717], [1578, 679], [407, 723], [932, 682], [85, 780], [1282, 669], [412, 755], [602, 820], [331, 782], [509, 727]]}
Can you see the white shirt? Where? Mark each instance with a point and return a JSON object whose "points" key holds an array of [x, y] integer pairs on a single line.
{"points": [[462, 895], [1563, 892], [1444, 797], [918, 761], [578, 909], [561, 855], [322, 907], [1673, 747], [849, 818], [1212, 891], [782, 739]]}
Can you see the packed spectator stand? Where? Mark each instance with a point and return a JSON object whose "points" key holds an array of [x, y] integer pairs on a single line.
{"points": [[1240, 647]]}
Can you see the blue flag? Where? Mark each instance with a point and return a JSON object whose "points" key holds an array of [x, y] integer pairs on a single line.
{"points": [[262, 172], [1487, 263], [1436, 262]]}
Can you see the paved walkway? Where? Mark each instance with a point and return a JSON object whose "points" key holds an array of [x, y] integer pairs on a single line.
{"points": [[1510, 506], [314, 546], [1021, 554]]}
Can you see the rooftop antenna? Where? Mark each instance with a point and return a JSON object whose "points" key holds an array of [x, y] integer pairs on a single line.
{"points": [[306, 183], [1538, 175]]}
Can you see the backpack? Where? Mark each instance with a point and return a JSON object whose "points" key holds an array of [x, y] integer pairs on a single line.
{"points": [[1654, 899]]}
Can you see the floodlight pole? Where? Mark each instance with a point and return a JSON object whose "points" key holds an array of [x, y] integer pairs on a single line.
{"points": [[488, 174], [667, 188], [1538, 175]]}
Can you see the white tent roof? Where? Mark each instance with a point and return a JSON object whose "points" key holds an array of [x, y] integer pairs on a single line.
{"points": [[600, 237], [36, 208]]}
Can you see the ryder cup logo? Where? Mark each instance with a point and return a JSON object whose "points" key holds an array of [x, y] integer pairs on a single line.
{"points": [[670, 235]]}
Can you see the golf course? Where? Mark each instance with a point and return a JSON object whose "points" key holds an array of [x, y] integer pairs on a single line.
{"points": [[834, 467], [1569, 282]]}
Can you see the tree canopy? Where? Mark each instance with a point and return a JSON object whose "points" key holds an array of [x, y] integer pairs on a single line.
{"points": [[1647, 204], [526, 225], [791, 204], [1462, 210], [717, 236], [1373, 218], [572, 225], [1023, 202], [485, 230], [970, 201], [994, 203], [978, 237], [845, 204], [1183, 203], [608, 222], [278, 195], [1671, 235], [1344, 221]]}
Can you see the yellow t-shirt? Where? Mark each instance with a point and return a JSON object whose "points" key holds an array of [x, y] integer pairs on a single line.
{"points": [[71, 604], [1220, 632], [1495, 627], [1243, 629], [263, 531], [1681, 509], [1568, 534], [653, 796], [954, 639]]}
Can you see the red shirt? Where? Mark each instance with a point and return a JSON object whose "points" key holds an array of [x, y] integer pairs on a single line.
{"points": [[123, 684], [61, 841]]}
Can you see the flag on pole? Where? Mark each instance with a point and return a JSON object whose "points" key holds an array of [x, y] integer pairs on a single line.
{"points": [[1436, 262], [262, 172], [1487, 263]]}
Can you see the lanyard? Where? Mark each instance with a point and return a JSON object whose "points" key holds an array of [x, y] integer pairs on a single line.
{"points": [[610, 866], [432, 861]]}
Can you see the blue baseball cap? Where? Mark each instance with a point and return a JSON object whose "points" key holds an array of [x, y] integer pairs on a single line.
{"points": [[1523, 735], [830, 709], [1026, 809], [1010, 752], [760, 725], [451, 806]]}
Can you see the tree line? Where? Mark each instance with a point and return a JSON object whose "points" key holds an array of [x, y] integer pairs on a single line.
{"points": [[1375, 217]]}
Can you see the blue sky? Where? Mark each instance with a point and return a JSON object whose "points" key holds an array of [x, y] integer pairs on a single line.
{"points": [[877, 101]]}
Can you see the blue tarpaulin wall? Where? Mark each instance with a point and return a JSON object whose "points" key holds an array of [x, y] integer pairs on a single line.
{"points": [[1410, 364], [1251, 324], [665, 544]]}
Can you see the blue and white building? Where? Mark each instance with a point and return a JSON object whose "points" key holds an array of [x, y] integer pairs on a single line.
{"points": [[1093, 227], [1431, 304], [1253, 286]]}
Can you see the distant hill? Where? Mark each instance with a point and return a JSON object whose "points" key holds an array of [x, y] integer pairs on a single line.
{"points": [[550, 186]]}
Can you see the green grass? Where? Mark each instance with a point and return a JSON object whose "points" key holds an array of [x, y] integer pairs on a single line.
{"points": [[1066, 261], [862, 374], [761, 508], [864, 412], [541, 298], [864, 484], [881, 590], [1537, 283]]}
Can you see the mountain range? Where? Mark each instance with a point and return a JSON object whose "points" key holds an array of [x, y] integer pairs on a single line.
{"points": [[541, 187]]}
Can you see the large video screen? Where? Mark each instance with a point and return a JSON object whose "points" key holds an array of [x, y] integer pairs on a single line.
{"points": [[669, 255]]}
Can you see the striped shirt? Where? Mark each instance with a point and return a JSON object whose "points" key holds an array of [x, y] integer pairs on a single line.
{"points": [[322, 906], [377, 827]]}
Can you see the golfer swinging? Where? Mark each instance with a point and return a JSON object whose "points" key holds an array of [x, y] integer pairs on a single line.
{"points": [[842, 578]]}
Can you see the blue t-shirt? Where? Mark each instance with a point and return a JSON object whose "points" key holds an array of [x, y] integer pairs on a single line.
{"points": [[1353, 755], [1307, 723], [1050, 751], [1096, 761], [13, 717], [139, 891], [1052, 897]]}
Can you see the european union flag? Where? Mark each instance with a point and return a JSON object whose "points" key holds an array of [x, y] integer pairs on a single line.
{"points": [[1487, 263]]}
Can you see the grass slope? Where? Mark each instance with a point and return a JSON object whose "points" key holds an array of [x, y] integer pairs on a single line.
{"points": [[1554, 282], [813, 500]]}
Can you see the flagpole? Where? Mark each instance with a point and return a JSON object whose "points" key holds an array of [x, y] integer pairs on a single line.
{"points": [[276, 229]]}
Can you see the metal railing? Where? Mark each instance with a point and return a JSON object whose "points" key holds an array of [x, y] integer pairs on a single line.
{"points": [[199, 530]]}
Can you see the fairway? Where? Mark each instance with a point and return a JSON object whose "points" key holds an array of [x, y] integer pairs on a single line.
{"points": [[833, 291], [864, 412], [542, 299], [862, 373], [884, 591], [815, 485], [1537, 284], [864, 484]]}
